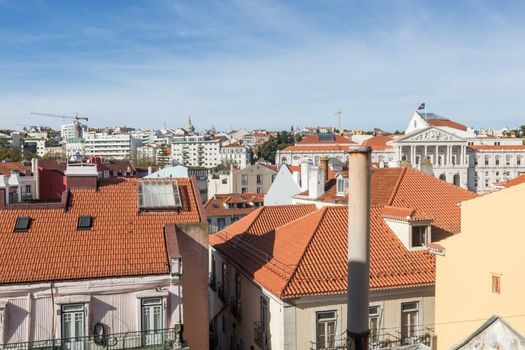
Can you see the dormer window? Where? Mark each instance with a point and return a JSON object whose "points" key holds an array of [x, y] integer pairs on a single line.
{"points": [[340, 189], [22, 224], [420, 236]]}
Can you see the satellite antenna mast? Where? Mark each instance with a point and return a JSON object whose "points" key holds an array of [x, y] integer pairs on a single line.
{"points": [[338, 115]]}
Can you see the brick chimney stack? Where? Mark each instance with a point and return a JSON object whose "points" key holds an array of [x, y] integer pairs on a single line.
{"points": [[82, 176]]}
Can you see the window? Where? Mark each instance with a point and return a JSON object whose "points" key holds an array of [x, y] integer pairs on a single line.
{"points": [[373, 323], [244, 190], [84, 222], [454, 160], [518, 160], [259, 179], [507, 160], [237, 286], [28, 189], [22, 224], [244, 180], [340, 186], [497, 160], [221, 222], [259, 190], [409, 320], [419, 236], [325, 329], [151, 321], [417, 159], [496, 284], [73, 325], [273, 177], [486, 160], [213, 276]]}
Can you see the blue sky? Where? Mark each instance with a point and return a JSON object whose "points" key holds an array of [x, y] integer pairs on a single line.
{"points": [[262, 64]]}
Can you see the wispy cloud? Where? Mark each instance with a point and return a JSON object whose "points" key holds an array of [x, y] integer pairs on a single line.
{"points": [[273, 64]]}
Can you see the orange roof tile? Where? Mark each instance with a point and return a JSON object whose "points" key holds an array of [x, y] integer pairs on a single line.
{"points": [[315, 148], [446, 122], [516, 181], [378, 143], [218, 204], [121, 242], [6, 168], [314, 139], [497, 147]]}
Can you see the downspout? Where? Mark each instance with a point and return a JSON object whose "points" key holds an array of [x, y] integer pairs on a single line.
{"points": [[52, 315], [358, 249]]}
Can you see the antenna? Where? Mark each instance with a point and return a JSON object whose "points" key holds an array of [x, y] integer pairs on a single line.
{"points": [[338, 116]]}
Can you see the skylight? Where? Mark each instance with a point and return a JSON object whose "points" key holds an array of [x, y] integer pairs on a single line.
{"points": [[22, 223], [158, 194], [84, 222]]}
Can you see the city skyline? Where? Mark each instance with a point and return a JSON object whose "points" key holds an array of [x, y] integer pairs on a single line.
{"points": [[260, 64]]}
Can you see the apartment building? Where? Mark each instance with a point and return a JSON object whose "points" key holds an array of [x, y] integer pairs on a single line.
{"points": [[235, 153], [482, 270], [224, 209], [71, 131], [196, 150], [314, 147], [19, 181], [110, 146], [283, 269], [117, 263]]}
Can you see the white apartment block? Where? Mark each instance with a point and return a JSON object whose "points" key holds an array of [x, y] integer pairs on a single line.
{"points": [[196, 151], [75, 148], [119, 146], [236, 154], [71, 131]]}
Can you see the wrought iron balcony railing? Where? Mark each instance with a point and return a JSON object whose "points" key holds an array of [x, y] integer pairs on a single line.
{"points": [[260, 336], [236, 308], [160, 339]]}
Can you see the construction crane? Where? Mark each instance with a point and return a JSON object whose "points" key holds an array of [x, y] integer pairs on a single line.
{"points": [[76, 117]]}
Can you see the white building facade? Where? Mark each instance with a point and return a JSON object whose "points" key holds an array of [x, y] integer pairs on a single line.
{"points": [[119, 146], [196, 151]]}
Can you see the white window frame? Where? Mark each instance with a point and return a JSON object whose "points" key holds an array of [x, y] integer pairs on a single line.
{"points": [[418, 315], [426, 233], [326, 321]]}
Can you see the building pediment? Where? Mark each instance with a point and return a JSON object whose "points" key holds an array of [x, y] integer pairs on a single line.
{"points": [[430, 134]]}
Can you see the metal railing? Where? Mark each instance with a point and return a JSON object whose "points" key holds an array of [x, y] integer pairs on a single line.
{"points": [[260, 336], [236, 308], [170, 338]]}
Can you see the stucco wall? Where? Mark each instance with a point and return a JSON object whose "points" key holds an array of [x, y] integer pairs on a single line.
{"points": [[490, 243]]}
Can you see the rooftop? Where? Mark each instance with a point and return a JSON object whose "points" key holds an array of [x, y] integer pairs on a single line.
{"points": [[227, 204], [122, 240]]}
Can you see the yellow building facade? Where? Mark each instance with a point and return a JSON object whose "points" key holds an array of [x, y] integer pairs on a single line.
{"points": [[482, 271]]}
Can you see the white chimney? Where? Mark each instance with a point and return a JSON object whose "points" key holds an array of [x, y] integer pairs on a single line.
{"points": [[305, 170], [316, 182], [358, 247], [4, 184], [36, 176]]}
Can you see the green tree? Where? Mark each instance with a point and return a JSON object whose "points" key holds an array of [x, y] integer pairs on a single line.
{"points": [[269, 149]]}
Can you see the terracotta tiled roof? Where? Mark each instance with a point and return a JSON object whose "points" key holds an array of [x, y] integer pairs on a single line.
{"points": [[315, 148], [497, 148], [314, 139], [52, 165], [378, 143], [446, 122], [218, 204], [404, 214], [308, 256], [516, 181], [234, 145], [7, 167], [121, 242]]}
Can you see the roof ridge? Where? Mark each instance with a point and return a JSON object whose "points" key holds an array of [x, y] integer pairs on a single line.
{"points": [[396, 188], [323, 211]]}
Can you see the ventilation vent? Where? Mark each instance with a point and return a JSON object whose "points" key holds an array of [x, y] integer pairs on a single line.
{"points": [[84, 222], [22, 224]]}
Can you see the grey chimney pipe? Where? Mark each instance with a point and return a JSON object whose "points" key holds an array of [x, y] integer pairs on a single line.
{"points": [[358, 248]]}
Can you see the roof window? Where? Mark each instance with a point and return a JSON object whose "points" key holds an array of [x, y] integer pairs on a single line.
{"points": [[159, 194], [84, 222], [22, 224]]}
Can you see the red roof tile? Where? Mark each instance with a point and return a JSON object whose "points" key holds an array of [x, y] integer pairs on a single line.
{"points": [[378, 143], [121, 242], [516, 181], [6, 168], [446, 122], [497, 147], [218, 204], [316, 148]]}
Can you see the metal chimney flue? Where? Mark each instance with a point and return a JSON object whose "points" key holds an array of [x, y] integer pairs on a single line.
{"points": [[358, 248]]}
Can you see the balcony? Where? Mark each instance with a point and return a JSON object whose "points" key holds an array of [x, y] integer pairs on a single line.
{"points": [[260, 336], [213, 282], [161, 339], [236, 308], [221, 292]]}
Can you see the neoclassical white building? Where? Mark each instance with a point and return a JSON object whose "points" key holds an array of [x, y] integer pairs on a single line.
{"points": [[454, 153]]}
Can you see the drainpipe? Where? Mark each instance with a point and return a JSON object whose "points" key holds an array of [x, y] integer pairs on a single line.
{"points": [[358, 248]]}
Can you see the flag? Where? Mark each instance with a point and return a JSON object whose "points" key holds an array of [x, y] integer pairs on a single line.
{"points": [[421, 106]]}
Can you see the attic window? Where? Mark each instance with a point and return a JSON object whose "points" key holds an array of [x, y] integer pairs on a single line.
{"points": [[84, 222], [340, 186], [159, 194], [216, 206], [22, 223], [419, 236]]}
